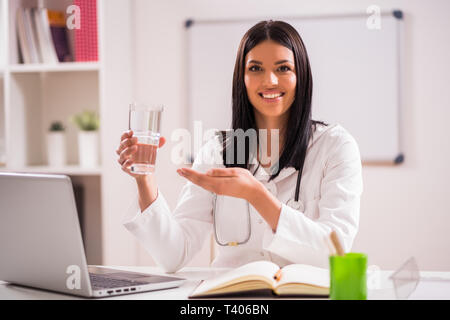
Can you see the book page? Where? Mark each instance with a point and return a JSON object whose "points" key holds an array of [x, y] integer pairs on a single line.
{"points": [[253, 270], [306, 274]]}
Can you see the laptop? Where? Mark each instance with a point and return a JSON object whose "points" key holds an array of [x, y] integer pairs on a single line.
{"points": [[41, 243]]}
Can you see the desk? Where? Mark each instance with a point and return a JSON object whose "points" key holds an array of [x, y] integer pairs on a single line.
{"points": [[384, 290]]}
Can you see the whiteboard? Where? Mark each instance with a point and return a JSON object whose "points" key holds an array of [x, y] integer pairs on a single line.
{"points": [[356, 76]]}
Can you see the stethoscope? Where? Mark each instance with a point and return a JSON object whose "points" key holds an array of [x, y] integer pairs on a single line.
{"points": [[293, 203]]}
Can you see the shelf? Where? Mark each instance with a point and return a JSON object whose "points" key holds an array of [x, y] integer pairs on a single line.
{"points": [[68, 170], [60, 67]]}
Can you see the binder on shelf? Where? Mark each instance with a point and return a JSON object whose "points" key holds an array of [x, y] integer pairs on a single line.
{"points": [[86, 42]]}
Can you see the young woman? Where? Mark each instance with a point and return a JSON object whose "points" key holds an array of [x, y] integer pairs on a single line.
{"points": [[258, 210]]}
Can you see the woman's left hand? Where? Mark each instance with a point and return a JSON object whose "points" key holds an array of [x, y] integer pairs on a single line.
{"points": [[233, 182]]}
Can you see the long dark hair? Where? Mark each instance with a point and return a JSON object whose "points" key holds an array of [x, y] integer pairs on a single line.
{"points": [[300, 126]]}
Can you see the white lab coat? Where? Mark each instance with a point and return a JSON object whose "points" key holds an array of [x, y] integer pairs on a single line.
{"points": [[330, 192]]}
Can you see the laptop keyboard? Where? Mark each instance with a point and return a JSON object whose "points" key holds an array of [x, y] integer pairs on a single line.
{"points": [[103, 281]]}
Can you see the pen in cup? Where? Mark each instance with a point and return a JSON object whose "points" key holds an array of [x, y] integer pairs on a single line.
{"points": [[336, 243]]}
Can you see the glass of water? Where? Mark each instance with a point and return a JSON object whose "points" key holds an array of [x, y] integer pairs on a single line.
{"points": [[145, 121]]}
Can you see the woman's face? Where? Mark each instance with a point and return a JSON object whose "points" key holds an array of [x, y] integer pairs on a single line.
{"points": [[270, 78]]}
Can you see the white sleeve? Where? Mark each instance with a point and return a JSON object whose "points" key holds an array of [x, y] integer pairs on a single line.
{"points": [[172, 239], [299, 238]]}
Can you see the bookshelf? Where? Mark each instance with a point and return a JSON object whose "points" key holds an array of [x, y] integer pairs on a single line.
{"points": [[34, 95]]}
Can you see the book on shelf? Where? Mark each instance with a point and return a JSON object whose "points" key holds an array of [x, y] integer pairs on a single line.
{"points": [[46, 47], [26, 36], [291, 280], [24, 50], [86, 42], [57, 22]]}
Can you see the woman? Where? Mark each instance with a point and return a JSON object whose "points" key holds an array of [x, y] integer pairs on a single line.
{"points": [[292, 205]]}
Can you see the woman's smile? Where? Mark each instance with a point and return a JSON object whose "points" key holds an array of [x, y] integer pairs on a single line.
{"points": [[272, 96]]}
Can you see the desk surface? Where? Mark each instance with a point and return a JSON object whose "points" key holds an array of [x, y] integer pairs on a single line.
{"points": [[380, 288]]}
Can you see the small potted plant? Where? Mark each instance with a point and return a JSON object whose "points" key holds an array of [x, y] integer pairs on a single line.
{"points": [[56, 144], [88, 124]]}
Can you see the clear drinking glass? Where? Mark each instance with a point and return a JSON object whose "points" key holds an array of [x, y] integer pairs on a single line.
{"points": [[145, 121]]}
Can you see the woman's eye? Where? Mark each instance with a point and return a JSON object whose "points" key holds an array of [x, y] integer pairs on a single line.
{"points": [[254, 68], [284, 68]]}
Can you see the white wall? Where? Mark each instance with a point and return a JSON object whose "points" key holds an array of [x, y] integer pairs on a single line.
{"points": [[117, 77], [404, 210]]}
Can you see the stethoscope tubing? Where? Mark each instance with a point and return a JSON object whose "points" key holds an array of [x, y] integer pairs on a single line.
{"points": [[231, 243]]}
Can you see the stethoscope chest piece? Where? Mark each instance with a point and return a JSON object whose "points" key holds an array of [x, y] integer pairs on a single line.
{"points": [[297, 205]]}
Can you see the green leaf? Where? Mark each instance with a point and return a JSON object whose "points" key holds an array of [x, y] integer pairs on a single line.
{"points": [[86, 120]]}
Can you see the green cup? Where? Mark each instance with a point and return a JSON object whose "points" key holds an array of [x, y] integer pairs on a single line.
{"points": [[348, 277]]}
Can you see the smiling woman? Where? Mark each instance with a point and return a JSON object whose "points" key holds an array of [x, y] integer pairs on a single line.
{"points": [[272, 89], [258, 213]]}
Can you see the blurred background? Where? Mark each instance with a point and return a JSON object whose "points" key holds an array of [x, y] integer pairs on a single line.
{"points": [[65, 91]]}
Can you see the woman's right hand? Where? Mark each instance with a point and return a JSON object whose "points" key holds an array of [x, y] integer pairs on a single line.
{"points": [[126, 149]]}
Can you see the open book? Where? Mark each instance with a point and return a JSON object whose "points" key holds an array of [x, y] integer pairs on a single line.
{"points": [[294, 279]]}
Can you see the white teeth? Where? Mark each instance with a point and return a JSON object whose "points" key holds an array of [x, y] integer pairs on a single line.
{"points": [[272, 96]]}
